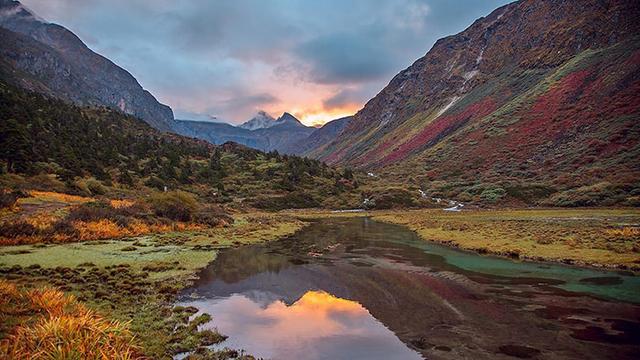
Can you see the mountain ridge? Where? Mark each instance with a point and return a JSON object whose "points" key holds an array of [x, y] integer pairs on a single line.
{"points": [[464, 112], [278, 134], [68, 69]]}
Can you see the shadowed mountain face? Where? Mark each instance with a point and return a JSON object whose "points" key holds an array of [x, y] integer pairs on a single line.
{"points": [[535, 90], [50, 59], [320, 137], [262, 132]]}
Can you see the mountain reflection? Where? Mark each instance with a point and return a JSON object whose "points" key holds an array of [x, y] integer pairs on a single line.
{"points": [[318, 325]]}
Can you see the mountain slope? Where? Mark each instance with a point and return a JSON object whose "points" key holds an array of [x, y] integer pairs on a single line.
{"points": [[219, 133], [536, 91], [46, 138], [320, 137], [57, 63]]}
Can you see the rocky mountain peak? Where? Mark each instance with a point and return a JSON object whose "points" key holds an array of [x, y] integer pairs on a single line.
{"points": [[262, 120]]}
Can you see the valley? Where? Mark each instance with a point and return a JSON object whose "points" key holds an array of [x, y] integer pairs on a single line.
{"points": [[484, 204]]}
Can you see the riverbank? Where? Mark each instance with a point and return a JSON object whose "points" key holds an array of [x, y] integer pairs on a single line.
{"points": [[135, 280], [604, 238]]}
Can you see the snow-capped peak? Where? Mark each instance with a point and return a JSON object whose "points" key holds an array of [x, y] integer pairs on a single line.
{"points": [[261, 121]]}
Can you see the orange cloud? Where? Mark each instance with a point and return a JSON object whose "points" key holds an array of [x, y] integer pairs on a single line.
{"points": [[321, 117]]}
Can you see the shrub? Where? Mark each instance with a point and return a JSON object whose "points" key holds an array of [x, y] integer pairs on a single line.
{"points": [[602, 194], [92, 211], [294, 200], [17, 228], [155, 182], [9, 198], [529, 193], [393, 198], [175, 205], [46, 183], [492, 195], [96, 187], [212, 216]]}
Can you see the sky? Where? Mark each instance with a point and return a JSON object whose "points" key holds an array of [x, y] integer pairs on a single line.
{"points": [[225, 60]]}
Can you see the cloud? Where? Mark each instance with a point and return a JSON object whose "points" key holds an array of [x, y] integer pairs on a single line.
{"points": [[254, 102], [346, 58], [230, 58], [346, 97]]}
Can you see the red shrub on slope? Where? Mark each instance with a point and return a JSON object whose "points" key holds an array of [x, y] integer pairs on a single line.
{"points": [[440, 128]]}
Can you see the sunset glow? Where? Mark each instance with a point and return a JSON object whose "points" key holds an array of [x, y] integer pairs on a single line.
{"points": [[322, 117]]}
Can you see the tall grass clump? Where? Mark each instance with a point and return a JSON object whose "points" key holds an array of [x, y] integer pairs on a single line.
{"points": [[55, 326]]}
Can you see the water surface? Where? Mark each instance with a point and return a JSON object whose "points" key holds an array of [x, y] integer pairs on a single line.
{"points": [[360, 289]]}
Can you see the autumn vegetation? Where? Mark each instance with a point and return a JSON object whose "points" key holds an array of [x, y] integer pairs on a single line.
{"points": [[52, 325]]}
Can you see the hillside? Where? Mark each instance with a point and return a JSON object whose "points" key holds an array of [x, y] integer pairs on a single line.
{"points": [[320, 137], [50, 59], [51, 145], [538, 100]]}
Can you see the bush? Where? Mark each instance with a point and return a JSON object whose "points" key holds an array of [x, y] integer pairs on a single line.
{"points": [[92, 211], [294, 200], [18, 228], [529, 193], [100, 210], [393, 198], [212, 216], [175, 205], [9, 198], [155, 182], [601, 194], [492, 195], [96, 187]]}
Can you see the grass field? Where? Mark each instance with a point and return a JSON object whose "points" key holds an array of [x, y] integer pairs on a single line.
{"points": [[134, 280], [595, 237]]}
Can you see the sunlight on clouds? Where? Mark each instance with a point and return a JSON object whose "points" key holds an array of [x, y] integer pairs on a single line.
{"points": [[324, 116]]}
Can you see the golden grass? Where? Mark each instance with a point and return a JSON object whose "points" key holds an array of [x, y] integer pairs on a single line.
{"points": [[121, 204], [56, 326], [42, 220], [624, 232], [58, 197], [584, 236], [100, 230]]}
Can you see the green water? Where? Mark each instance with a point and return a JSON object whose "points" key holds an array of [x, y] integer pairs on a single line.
{"points": [[625, 288]]}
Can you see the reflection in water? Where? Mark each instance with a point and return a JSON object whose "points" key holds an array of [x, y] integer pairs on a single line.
{"points": [[287, 300], [317, 326]]}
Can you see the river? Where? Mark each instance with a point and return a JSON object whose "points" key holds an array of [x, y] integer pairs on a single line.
{"points": [[354, 288]]}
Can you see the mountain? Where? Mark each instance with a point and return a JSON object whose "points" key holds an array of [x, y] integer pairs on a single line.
{"points": [[43, 136], [50, 59], [537, 92], [260, 121], [320, 138], [261, 132], [219, 133], [264, 121]]}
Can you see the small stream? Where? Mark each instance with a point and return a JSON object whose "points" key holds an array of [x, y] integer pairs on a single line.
{"points": [[360, 289]]}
